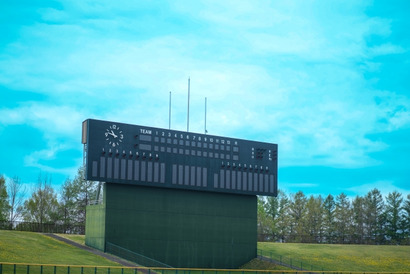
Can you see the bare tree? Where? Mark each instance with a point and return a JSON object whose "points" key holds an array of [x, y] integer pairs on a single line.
{"points": [[16, 192]]}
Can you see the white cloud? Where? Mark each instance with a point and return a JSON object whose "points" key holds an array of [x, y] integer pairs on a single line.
{"points": [[52, 120], [46, 160], [292, 43], [61, 130], [393, 111], [384, 186], [233, 14], [385, 49], [301, 184]]}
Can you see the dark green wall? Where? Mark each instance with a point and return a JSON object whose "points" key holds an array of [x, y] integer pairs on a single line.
{"points": [[95, 226], [181, 228]]}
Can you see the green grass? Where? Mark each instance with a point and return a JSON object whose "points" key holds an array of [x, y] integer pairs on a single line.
{"points": [[75, 238], [35, 248], [257, 264], [346, 258]]}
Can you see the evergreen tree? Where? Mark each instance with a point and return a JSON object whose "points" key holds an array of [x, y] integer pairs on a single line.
{"points": [[368, 219], [272, 206], [343, 215], [277, 212], [272, 212], [406, 220], [314, 219], [282, 221], [329, 206], [297, 213], [394, 230], [264, 222], [374, 217], [358, 225]]}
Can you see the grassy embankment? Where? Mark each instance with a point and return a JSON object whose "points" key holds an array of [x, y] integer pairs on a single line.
{"points": [[345, 258], [29, 247], [75, 238], [34, 248]]}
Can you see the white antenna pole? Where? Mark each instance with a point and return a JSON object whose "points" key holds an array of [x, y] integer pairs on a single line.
{"points": [[170, 110], [205, 118], [187, 124]]}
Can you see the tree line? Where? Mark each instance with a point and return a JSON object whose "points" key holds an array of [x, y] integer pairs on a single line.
{"points": [[46, 209], [369, 219]]}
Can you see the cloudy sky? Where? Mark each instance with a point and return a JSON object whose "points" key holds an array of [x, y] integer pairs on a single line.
{"points": [[328, 81]]}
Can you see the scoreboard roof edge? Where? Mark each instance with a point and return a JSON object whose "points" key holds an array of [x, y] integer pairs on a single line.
{"points": [[163, 129], [150, 156]]}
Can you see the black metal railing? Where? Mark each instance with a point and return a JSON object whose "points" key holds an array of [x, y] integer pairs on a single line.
{"points": [[133, 256], [43, 227], [289, 262]]}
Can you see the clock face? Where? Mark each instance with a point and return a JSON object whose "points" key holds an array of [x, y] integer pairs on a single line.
{"points": [[113, 135]]}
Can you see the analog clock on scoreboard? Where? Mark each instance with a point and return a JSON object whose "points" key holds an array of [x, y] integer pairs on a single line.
{"points": [[114, 135]]}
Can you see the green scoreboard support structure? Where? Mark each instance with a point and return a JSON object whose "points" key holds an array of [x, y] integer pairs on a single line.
{"points": [[181, 199], [181, 228]]}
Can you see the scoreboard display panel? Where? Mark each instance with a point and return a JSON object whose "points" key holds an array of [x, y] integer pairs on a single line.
{"points": [[140, 155]]}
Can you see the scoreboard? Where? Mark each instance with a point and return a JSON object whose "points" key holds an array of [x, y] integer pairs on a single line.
{"points": [[140, 155]]}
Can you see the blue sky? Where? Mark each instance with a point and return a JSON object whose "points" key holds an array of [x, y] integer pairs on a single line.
{"points": [[328, 81]]}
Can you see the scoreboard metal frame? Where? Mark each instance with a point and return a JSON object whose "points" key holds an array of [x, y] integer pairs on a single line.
{"points": [[141, 155]]}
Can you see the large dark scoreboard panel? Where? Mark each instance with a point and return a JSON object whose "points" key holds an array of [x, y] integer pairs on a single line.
{"points": [[141, 155]]}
